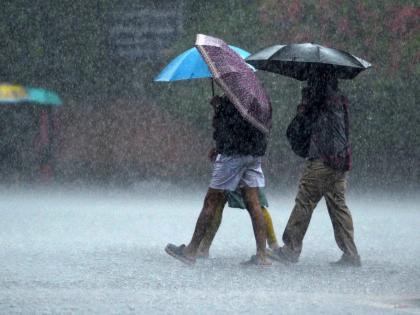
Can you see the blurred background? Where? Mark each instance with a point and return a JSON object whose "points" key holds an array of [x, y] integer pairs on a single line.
{"points": [[118, 127]]}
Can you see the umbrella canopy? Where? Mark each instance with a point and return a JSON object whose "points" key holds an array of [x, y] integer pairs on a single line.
{"points": [[42, 96], [12, 93], [15, 94], [237, 80], [299, 60], [190, 65]]}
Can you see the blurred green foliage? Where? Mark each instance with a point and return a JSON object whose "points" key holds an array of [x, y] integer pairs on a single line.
{"points": [[65, 46]]}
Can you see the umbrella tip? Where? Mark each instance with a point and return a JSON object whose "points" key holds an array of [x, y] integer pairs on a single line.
{"points": [[200, 38]]}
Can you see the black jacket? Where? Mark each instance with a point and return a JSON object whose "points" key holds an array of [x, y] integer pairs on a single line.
{"points": [[330, 132], [233, 134]]}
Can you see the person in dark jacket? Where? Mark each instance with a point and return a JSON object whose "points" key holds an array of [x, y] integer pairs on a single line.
{"points": [[328, 161], [237, 163]]}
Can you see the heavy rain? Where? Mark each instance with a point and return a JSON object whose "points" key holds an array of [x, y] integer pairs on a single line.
{"points": [[104, 161]]}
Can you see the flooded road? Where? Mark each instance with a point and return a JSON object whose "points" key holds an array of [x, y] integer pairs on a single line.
{"points": [[81, 251]]}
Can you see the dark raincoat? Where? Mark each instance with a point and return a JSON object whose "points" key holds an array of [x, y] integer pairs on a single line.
{"points": [[233, 134], [330, 131]]}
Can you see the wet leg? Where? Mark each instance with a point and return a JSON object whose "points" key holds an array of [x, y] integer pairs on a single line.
{"points": [[204, 248], [257, 218], [213, 199]]}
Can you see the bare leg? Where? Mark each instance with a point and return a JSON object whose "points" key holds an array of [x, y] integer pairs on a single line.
{"points": [[258, 223], [204, 248], [213, 198]]}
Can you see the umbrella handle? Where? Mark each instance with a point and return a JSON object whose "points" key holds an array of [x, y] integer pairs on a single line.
{"points": [[212, 86]]}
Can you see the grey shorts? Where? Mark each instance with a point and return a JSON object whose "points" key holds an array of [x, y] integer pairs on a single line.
{"points": [[231, 172]]}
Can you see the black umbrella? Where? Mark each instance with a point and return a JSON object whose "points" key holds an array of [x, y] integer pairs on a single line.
{"points": [[300, 60]]}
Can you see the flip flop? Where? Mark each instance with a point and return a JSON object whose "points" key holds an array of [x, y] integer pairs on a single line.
{"points": [[177, 252], [271, 254], [256, 261], [277, 255]]}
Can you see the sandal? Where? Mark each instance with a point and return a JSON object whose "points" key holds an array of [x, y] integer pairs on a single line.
{"points": [[177, 252], [256, 261]]}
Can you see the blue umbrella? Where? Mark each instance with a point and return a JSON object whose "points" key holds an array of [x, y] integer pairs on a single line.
{"points": [[42, 96], [190, 65]]}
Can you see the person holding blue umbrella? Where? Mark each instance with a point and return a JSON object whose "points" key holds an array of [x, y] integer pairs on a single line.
{"points": [[191, 65], [242, 121]]}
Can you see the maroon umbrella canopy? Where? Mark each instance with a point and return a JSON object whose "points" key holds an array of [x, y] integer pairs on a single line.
{"points": [[237, 80]]}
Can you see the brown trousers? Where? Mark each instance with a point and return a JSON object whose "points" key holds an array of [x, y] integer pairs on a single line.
{"points": [[319, 181]]}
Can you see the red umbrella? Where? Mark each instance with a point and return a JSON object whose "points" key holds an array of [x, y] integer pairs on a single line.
{"points": [[237, 80]]}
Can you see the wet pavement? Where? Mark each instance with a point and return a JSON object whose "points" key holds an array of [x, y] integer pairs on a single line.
{"points": [[101, 252]]}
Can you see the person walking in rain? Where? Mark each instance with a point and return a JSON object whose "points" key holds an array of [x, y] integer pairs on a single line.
{"points": [[328, 161], [239, 148], [236, 200]]}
